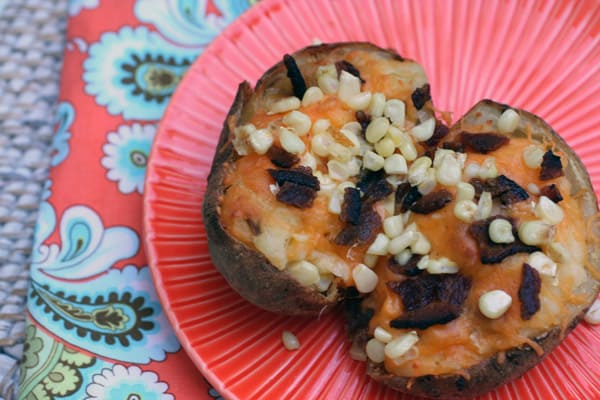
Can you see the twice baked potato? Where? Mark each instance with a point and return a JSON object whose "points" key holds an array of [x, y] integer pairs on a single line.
{"points": [[463, 254]]}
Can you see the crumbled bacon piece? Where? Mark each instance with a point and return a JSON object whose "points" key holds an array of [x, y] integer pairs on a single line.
{"points": [[369, 223], [300, 175], [454, 146], [351, 206], [409, 198], [552, 192], [401, 192], [529, 291], [363, 119], [293, 72], [501, 187], [440, 132], [432, 202], [430, 299], [491, 252], [408, 269], [281, 157], [420, 96], [483, 142], [344, 65], [374, 185], [551, 166], [296, 195]]}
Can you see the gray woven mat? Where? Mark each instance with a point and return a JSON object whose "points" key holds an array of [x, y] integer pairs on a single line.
{"points": [[31, 46]]}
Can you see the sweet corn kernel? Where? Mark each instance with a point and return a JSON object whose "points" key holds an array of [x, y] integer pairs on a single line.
{"points": [[500, 231], [403, 257], [402, 242], [484, 207], [429, 183], [442, 266], [377, 129], [385, 147], [373, 161], [472, 170], [340, 152], [559, 252], [352, 132], [375, 351], [533, 189], [349, 86], [417, 172], [488, 168], [549, 211], [448, 172], [535, 233], [393, 226], [324, 283], [321, 125], [290, 341], [338, 171], [424, 131], [400, 345], [382, 335], [304, 272], [261, 140], [592, 316], [421, 245], [465, 210], [544, 264], [327, 79], [290, 141], [508, 121], [365, 278], [395, 110], [396, 165], [241, 138], [370, 260], [389, 203], [312, 95], [440, 154], [379, 246], [284, 105], [464, 191], [423, 263], [298, 121], [533, 156], [308, 160], [359, 101], [377, 105], [495, 303], [335, 203]]}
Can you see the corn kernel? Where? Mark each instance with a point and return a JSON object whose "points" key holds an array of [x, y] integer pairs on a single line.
{"points": [[533, 189], [319, 144], [535, 233], [421, 245], [465, 210], [261, 140], [382, 335], [559, 252], [377, 129], [488, 168], [298, 121], [549, 211], [349, 86], [417, 172], [373, 161], [423, 263], [533, 156], [429, 183], [379, 246], [290, 341], [338, 171], [500, 231], [484, 207], [241, 138], [364, 278], [472, 170], [402, 242], [375, 351], [508, 121], [321, 125], [284, 105], [464, 191], [290, 141], [441, 266], [359, 101], [335, 203], [370, 260], [327, 79], [395, 164], [385, 147], [324, 283], [393, 226], [312, 95], [544, 264], [403, 257], [448, 172], [308, 160], [424, 131], [304, 272], [340, 152], [440, 154], [377, 105], [592, 316], [395, 110], [495, 303], [400, 345]]}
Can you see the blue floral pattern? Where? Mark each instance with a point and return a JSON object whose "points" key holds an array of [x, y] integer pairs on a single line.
{"points": [[127, 383], [65, 115], [126, 155]]}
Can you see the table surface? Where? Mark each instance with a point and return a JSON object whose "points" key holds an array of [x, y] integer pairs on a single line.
{"points": [[32, 36]]}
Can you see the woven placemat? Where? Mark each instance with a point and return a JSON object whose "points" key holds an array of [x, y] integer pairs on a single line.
{"points": [[32, 36]]}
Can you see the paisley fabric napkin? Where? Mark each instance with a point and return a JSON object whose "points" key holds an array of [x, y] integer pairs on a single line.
{"points": [[96, 329]]}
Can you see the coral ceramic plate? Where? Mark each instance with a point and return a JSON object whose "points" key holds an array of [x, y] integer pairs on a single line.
{"points": [[538, 55]]}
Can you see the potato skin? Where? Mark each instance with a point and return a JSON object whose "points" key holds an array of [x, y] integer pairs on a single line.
{"points": [[512, 363]]}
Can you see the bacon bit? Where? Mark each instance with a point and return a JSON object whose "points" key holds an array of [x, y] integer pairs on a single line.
{"points": [[501, 187], [455, 146], [300, 175], [281, 157], [430, 299], [421, 96], [483, 142], [363, 119], [440, 132], [551, 166], [401, 192], [344, 65], [411, 197], [293, 72], [552, 192], [529, 291], [408, 269], [432, 202], [369, 223], [296, 195], [374, 185], [492, 253], [254, 226], [351, 206]]}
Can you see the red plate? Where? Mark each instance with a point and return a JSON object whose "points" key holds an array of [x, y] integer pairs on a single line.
{"points": [[538, 55]]}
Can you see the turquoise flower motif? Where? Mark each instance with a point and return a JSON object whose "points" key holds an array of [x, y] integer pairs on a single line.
{"points": [[134, 72], [75, 6], [65, 115], [189, 22], [122, 383], [126, 155]]}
